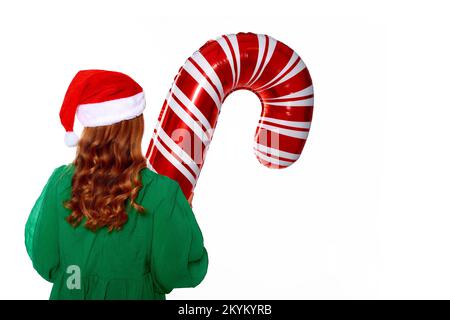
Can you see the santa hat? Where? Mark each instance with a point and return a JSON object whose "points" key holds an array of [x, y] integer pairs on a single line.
{"points": [[100, 98]]}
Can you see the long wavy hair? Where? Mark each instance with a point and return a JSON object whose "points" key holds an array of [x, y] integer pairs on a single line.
{"points": [[107, 165]]}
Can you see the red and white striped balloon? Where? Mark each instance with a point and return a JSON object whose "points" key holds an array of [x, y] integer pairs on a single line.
{"points": [[256, 62]]}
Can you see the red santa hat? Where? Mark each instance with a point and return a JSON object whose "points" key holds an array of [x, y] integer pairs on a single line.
{"points": [[100, 98]]}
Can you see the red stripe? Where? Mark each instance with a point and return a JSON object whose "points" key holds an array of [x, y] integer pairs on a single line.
{"points": [[150, 147], [205, 76], [233, 54], [248, 48], [274, 156], [280, 77], [270, 164], [178, 130], [282, 126], [191, 89], [263, 60], [213, 53], [189, 112], [303, 114], [300, 81], [278, 141], [176, 156], [289, 99]]}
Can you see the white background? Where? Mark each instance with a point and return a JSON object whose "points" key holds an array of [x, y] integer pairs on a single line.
{"points": [[365, 211]]}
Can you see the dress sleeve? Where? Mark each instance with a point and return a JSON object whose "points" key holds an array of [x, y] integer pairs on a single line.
{"points": [[41, 231], [179, 258]]}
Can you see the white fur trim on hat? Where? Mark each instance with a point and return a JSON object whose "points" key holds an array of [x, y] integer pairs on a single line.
{"points": [[110, 112], [71, 139]]}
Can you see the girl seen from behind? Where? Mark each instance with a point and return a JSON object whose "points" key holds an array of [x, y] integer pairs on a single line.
{"points": [[105, 226]]}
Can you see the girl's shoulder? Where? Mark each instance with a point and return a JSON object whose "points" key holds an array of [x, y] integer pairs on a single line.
{"points": [[61, 177], [157, 189], [61, 173], [158, 181]]}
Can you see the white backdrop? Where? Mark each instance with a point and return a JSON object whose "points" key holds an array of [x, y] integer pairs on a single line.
{"points": [[365, 211]]}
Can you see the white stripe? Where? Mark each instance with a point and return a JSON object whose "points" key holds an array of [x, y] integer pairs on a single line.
{"points": [[206, 67], [261, 45], [291, 61], [299, 94], [157, 127], [175, 148], [191, 107], [110, 112], [276, 152], [235, 45], [295, 124], [201, 80], [296, 103], [272, 160], [189, 121], [271, 48], [223, 43], [299, 67], [149, 165], [174, 161], [285, 132]]}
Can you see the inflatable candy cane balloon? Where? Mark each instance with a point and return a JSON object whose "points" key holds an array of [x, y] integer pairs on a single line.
{"points": [[267, 67]]}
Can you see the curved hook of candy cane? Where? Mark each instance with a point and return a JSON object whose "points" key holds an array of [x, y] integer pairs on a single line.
{"points": [[258, 63]]}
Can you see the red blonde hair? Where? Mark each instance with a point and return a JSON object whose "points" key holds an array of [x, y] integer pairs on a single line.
{"points": [[107, 165]]}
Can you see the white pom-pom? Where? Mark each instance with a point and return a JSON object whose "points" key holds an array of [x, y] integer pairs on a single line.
{"points": [[70, 139]]}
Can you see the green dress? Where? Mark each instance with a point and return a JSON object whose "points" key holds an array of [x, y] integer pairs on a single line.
{"points": [[154, 252]]}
